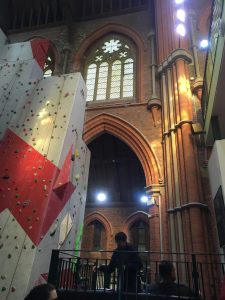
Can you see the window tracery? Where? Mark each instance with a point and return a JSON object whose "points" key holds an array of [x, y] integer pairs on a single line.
{"points": [[110, 69]]}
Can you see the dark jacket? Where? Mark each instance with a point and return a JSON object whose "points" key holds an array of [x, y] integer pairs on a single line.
{"points": [[126, 260], [171, 288]]}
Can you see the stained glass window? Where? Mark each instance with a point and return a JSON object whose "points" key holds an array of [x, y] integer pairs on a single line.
{"points": [[110, 69]]}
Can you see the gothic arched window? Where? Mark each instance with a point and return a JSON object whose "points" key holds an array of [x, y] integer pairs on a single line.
{"points": [[98, 236], [139, 235], [110, 69]]}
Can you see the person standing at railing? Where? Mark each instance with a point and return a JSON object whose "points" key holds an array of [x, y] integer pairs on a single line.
{"points": [[128, 263], [167, 285]]}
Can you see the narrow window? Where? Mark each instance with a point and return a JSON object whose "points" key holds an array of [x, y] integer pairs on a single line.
{"points": [[91, 78], [128, 78], [115, 80], [102, 81], [98, 235]]}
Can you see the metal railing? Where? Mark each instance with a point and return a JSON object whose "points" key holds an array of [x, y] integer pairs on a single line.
{"points": [[201, 273]]}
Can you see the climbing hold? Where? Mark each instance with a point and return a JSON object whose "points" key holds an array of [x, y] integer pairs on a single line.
{"points": [[26, 203]]}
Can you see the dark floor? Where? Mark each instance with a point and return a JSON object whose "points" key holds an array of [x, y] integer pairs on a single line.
{"points": [[108, 295]]}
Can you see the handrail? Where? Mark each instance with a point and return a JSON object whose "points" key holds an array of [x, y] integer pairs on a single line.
{"points": [[201, 272]]}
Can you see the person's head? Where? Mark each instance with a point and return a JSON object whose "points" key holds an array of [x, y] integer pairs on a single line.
{"points": [[42, 292], [166, 271], [121, 239]]}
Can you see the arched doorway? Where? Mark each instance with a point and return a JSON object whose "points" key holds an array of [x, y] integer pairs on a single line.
{"points": [[116, 171]]}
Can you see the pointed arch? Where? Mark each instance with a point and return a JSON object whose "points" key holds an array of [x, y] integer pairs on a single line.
{"points": [[114, 28], [108, 123], [55, 49], [96, 216], [133, 218]]}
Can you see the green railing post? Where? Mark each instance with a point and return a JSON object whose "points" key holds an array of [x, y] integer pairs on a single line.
{"points": [[53, 269]]}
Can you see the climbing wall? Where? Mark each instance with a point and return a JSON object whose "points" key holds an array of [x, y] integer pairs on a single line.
{"points": [[43, 165], [2, 40]]}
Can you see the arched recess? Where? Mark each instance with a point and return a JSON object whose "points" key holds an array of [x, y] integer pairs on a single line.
{"points": [[121, 29], [133, 218], [53, 49], [107, 123], [101, 218]]}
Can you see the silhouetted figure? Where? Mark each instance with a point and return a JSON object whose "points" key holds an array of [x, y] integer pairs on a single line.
{"points": [[42, 292], [127, 261], [166, 285]]}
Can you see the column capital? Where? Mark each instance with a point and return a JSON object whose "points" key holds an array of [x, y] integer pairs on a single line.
{"points": [[175, 55], [151, 34], [155, 188], [196, 87], [66, 48], [154, 102]]}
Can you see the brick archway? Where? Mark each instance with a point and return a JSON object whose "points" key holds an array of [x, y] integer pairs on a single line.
{"points": [[121, 29], [126, 132]]}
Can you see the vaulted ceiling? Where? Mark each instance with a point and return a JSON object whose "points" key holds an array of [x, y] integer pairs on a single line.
{"points": [[16, 14]]}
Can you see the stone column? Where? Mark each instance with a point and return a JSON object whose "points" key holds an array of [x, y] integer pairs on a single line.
{"points": [[66, 52], [156, 211], [154, 104], [185, 205], [198, 82]]}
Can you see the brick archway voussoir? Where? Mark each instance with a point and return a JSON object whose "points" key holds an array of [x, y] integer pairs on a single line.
{"points": [[101, 218], [130, 220], [108, 123]]}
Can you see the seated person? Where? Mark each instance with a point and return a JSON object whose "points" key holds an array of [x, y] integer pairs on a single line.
{"points": [[127, 261], [166, 285]]}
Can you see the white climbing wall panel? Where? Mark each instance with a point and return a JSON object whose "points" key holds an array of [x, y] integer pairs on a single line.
{"points": [[44, 166], [2, 40]]}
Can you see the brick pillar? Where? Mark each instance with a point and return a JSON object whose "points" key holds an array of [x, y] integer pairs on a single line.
{"points": [[183, 186]]}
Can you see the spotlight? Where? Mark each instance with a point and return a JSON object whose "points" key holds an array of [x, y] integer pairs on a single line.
{"points": [[179, 1], [181, 29], [204, 44], [101, 197], [181, 15], [144, 199]]}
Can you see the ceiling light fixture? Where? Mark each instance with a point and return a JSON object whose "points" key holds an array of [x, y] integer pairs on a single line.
{"points": [[144, 199], [181, 15], [204, 44], [180, 29], [101, 197]]}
